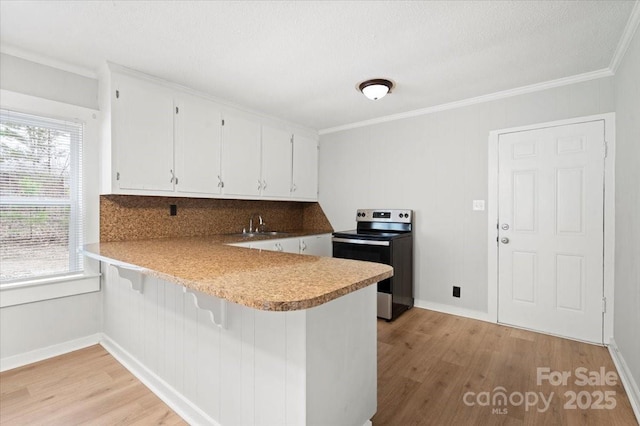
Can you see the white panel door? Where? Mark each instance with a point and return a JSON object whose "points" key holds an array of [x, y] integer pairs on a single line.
{"points": [[197, 146], [551, 230], [305, 168], [276, 162], [143, 135], [240, 156]]}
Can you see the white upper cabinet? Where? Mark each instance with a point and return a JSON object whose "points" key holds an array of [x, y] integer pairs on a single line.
{"points": [[198, 131], [305, 168], [241, 156], [276, 162], [142, 128], [160, 139]]}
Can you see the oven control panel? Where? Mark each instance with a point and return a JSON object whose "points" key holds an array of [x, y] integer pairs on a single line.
{"points": [[382, 215]]}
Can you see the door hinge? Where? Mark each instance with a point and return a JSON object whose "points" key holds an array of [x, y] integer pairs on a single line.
{"points": [[117, 175], [117, 94], [604, 305], [177, 110]]}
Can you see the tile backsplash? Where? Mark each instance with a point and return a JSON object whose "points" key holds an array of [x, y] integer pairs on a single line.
{"points": [[131, 217]]}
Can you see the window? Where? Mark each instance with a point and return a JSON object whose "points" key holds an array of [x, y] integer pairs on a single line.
{"points": [[40, 197]]}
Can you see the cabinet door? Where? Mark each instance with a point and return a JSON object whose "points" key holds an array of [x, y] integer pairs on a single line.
{"points": [[286, 245], [197, 146], [240, 156], [276, 162], [316, 245], [305, 168], [142, 135], [290, 245]]}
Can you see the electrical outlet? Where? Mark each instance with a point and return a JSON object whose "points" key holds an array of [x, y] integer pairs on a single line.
{"points": [[478, 205], [173, 210], [456, 291]]}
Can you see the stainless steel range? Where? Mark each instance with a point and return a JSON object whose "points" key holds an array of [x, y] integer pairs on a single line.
{"points": [[383, 236]]}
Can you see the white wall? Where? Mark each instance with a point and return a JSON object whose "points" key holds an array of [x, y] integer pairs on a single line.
{"points": [[33, 326], [23, 76], [436, 164], [627, 269], [35, 88]]}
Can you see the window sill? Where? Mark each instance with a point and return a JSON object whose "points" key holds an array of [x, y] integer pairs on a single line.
{"points": [[47, 288]]}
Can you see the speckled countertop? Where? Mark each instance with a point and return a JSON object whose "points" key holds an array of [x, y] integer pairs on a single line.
{"points": [[266, 280]]}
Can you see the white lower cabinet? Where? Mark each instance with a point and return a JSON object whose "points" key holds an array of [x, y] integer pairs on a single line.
{"points": [[287, 245], [314, 245], [317, 245]]}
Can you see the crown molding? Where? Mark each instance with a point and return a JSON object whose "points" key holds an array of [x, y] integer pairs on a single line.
{"points": [[606, 72], [47, 61], [627, 36]]}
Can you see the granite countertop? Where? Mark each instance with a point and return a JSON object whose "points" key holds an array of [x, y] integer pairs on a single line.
{"points": [[260, 279]]}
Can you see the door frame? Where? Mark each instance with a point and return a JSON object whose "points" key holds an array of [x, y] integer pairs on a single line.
{"points": [[609, 214]]}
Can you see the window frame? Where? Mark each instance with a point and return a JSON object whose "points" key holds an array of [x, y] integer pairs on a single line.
{"points": [[73, 201], [72, 283]]}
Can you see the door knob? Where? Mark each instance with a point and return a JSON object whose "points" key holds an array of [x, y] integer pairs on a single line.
{"points": [[505, 226], [505, 240]]}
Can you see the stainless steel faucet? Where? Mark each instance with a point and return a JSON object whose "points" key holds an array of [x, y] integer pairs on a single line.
{"points": [[260, 223]]}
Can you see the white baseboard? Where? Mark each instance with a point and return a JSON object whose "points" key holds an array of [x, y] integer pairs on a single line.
{"points": [[167, 393], [15, 361], [453, 310], [629, 383]]}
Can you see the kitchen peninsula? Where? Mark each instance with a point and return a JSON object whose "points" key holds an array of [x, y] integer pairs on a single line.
{"points": [[231, 335]]}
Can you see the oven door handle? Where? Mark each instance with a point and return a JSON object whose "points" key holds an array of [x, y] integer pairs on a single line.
{"points": [[363, 242]]}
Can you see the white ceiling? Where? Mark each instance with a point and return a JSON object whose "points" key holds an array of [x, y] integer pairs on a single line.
{"points": [[301, 60]]}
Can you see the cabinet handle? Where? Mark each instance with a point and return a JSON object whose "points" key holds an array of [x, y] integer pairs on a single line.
{"points": [[259, 185], [172, 176], [303, 246], [264, 185], [293, 188], [220, 182]]}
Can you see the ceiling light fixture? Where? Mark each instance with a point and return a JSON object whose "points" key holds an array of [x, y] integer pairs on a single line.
{"points": [[376, 88]]}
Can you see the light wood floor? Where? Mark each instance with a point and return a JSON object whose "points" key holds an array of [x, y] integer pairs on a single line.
{"points": [[427, 361], [83, 387]]}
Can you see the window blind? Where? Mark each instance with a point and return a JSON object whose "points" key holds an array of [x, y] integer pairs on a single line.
{"points": [[40, 196]]}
